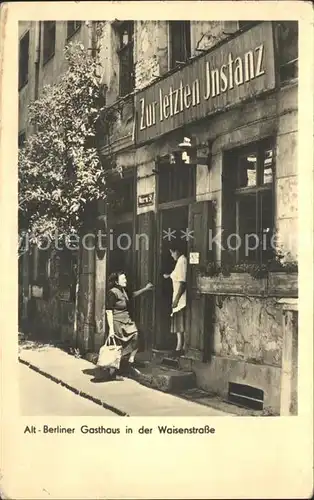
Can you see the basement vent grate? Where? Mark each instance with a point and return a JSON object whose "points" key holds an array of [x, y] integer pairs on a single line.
{"points": [[246, 396]]}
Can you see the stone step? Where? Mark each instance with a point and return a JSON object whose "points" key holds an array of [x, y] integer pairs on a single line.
{"points": [[165, 379]]}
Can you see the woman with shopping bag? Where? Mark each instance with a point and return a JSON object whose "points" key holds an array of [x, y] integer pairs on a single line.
{"points": [[122, 341]]}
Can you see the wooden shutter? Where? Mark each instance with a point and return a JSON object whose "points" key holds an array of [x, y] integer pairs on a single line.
{"points": [[144, 305], [201, 220]]}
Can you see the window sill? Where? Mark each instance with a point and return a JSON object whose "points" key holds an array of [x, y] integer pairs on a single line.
{"points": [[276, 284], [46, 61]]}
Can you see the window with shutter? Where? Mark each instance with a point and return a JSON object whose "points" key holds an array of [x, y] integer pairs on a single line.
{"points": [[23, 60], [126, 60], [73, 27], [180, 42], [287, 45], [49, 40]]}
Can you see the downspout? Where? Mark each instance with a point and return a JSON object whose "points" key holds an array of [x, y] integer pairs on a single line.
{"points": [[78, 327], [37, 58]]}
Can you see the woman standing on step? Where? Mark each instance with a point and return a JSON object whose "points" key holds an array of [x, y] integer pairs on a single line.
{"points": [[121, 326], [178, 277]]}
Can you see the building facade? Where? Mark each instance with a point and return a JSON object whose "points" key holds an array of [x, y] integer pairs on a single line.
{"points": [[205, 130]]}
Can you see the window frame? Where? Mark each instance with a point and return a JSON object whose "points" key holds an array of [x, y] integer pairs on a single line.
{"points": [[77, 27], [164, 168], [187, 42], [48, 28], [128, 49], [23, 60], [280, 48], [237, 194]]}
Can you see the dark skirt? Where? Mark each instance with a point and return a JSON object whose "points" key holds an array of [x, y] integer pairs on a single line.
{"points": [[126, 335], [178, 322]]}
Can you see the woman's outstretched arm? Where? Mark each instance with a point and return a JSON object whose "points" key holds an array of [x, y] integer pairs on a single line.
{"points": [[149, 286]]}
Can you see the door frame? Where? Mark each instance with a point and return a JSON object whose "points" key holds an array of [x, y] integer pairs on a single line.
{"points": [[161, 210]]}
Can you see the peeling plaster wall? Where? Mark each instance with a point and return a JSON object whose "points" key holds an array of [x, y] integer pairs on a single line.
{"points": [[151, 55], [249, 329], [206, 34]]}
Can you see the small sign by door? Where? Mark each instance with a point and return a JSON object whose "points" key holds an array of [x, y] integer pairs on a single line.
{"points": [[194, 258], [145, 200]]}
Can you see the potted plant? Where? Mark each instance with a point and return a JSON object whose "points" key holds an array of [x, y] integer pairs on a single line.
{"points": [[239, 279], [277, 278]]}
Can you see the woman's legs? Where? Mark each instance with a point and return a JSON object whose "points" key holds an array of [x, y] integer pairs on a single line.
{"points": [[134, 347], [180, 341]]}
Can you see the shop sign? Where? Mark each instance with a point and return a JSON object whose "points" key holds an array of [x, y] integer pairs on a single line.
{"points": [[194, 258], [237, 70], [145, 200]]}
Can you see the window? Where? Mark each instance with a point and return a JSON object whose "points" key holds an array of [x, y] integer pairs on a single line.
{"points": [[180, 42], [176, 181], [73, 27], [23, 60], [49, 40], [22, 139], [122, 196], [287, 45], [248, 207], [126, 62]]}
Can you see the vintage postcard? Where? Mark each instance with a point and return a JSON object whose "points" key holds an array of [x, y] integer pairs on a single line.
{"points": [[157, 259]]}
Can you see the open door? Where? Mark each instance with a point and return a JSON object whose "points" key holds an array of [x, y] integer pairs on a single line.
{"points": [[144, 306], [199, 307]]}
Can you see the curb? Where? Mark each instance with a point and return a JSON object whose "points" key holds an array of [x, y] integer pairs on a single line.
{"points": [[74, 389]]}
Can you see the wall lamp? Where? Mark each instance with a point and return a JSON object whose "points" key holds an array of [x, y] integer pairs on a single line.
{"points": [[189, 154]]}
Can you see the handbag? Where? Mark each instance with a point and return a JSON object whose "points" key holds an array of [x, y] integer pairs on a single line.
{"points": [[110, 355]]}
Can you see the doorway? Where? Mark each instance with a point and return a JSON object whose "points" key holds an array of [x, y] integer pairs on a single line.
{"points": [[172, 223]]}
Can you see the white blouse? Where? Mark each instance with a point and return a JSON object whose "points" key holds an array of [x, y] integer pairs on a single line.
{"points": [[179, 275]]}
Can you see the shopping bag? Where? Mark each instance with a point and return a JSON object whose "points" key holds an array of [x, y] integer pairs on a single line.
{"points": [[110, 355]]}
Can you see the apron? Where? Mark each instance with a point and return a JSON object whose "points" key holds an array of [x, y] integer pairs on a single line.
{"points": [[124, 328]]}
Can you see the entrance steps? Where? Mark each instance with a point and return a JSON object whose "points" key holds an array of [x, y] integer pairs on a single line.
{"points": [[162, 372]]}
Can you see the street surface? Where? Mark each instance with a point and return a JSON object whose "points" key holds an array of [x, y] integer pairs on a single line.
{"points": [[40, 396]]}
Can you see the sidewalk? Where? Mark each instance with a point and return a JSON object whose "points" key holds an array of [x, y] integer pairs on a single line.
{"points": [[125, 398]]}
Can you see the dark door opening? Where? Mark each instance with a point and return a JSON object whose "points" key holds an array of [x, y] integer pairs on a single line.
{"points": [[120, 249], [173, 223]]}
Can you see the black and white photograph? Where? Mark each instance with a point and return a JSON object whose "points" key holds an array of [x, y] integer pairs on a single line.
{"points": [[158, 218], [157, 246]]}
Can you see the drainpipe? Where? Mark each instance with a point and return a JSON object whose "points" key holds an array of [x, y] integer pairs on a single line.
{"points": [[37, 57]]}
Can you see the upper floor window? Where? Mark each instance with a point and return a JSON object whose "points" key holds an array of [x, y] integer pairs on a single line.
{"points": [[180, 42], [125, 33], [73, 27], [248, 203], [176, 180], [49, 40], [23, 60], [122, 197], [287, 45]]}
